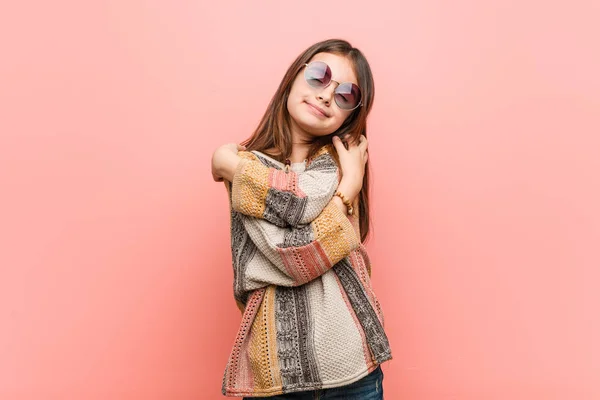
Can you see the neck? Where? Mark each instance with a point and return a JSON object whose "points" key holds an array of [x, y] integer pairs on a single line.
{"points": [[300, 147], [299, 152]]}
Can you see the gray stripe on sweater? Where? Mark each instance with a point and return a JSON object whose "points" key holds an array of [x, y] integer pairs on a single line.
{"points": [[307, 346], [284, 206], [243, 250], [376, 337], [298, 237], [324, 162], [295, 347]]}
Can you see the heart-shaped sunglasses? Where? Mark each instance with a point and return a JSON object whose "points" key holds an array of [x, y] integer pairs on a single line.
{"points": [[347, 95]]}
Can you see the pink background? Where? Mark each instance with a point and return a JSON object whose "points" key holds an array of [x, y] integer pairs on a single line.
{"points": [[115, 270]]}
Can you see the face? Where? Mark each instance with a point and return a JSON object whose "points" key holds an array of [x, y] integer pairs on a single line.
{"points": [[313, 111]]}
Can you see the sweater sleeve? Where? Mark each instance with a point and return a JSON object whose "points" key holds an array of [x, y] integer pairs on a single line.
{"points": [[280, 197], [302, 253]]}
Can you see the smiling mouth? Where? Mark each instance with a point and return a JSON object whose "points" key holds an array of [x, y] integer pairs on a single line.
{"points": [[316, 110]]}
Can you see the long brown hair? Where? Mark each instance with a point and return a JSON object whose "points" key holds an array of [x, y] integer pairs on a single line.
{"points": [[273, 134]]}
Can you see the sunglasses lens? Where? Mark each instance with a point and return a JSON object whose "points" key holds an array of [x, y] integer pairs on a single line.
{"points": [[347, 96], [317, 74]]}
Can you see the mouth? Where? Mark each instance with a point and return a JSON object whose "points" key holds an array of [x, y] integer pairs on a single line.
{"points": [[317, 110]]}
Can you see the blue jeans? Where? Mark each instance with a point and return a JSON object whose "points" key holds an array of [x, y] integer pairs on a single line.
{"points": [[368, 388]]}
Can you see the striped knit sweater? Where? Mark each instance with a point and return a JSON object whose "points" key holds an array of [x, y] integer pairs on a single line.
{"points": [[302, 280]]}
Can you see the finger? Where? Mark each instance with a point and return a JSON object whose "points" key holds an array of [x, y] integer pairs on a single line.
{"points": [[351, 141], [363, 143], [338, 144], [240, 147]]}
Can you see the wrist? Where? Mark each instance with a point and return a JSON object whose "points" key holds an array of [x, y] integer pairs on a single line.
{"points": [[349, 189], [340, 204], [346, 201]]}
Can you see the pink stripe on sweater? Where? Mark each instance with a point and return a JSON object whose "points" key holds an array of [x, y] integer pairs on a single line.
{"points": [[239, 372], [286, 182], [305, 263]]}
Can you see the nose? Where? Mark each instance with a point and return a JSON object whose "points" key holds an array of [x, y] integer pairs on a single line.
{"points": [[326, 95]]}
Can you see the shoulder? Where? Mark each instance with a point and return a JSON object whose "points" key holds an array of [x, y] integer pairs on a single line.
{"points": [[262, 157], [326, 149], [247, 155], [323, 160]]}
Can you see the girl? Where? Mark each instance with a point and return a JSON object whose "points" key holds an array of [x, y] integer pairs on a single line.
{"points": [[298, 189]]}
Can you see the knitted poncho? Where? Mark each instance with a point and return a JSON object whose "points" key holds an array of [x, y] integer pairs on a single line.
{"points": [[302, 279]]}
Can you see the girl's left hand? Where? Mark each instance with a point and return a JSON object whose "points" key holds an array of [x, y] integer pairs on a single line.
{"points": [[352, 162], [224, 161]]}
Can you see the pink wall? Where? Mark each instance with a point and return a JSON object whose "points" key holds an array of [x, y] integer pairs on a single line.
{"points": [[115, 274]]}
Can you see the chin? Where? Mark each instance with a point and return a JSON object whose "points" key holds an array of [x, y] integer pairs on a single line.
{"points": [[313, 129]]}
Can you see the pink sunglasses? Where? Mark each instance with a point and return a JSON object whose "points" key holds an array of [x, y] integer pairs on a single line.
{"points": [[346, 95]]}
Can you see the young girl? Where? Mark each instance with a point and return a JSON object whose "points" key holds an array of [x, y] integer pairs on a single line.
{"points": [[298, 188]]}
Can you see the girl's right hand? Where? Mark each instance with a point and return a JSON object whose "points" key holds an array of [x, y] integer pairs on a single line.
{"points": [[352, 163], [224, 161]]}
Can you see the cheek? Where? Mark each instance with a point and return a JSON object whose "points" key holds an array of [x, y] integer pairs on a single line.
{"points": [[293, 100], [296, 91], [340, 117]]}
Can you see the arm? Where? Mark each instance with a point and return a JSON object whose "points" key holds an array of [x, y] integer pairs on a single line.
{"points": [[267, 254], [302, 253], [280, 197], [290, 198]]}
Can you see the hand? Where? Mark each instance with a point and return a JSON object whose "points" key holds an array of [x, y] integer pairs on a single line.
{"points": [[224, 161], [352, 162]]}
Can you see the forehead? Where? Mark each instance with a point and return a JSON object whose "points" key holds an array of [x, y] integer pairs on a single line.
{"points": [[342, 69]]}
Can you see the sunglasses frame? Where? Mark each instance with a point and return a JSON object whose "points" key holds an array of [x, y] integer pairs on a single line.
{"points": [[360, 103]]}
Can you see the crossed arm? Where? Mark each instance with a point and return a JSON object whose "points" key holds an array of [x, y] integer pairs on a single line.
{"points": [[292, 219], [295, 221]]}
